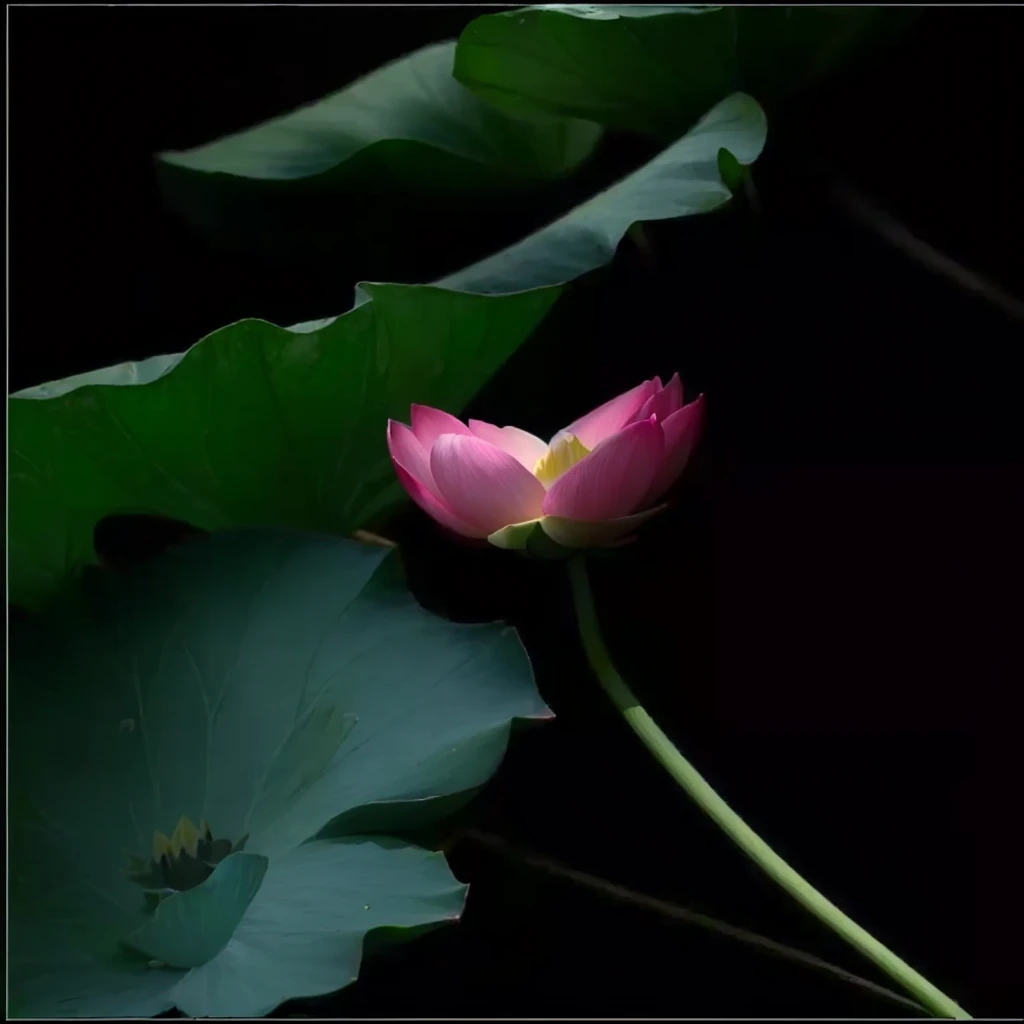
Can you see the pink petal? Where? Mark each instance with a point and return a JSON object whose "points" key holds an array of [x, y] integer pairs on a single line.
{"points": [[613, 480], [682, 431], [482, 484], [429, 424], [436, 509], [606, 419], [520, 444], [666, 401], [578, 533], [407, 452]]}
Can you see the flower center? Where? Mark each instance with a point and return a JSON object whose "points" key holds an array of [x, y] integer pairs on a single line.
{"points": [[181, 862], [563, 453]]}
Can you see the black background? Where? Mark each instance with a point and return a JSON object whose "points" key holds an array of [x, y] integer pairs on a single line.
{"points": [[828, 619]]}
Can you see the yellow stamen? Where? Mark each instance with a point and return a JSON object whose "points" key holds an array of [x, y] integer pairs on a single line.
{"points": [[563, 453], [161, 845], [185, 838]]}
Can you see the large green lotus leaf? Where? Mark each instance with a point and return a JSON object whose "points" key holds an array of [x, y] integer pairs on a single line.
{"points": [[683, 180], [302, 935], [404, 154], [191, 927], [409, 122], [304, 932], [275, 684], [652, 69], [255, 424]]}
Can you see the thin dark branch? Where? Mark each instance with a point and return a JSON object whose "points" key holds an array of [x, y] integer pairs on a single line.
{"points": [[866, 212], [621, 893]]}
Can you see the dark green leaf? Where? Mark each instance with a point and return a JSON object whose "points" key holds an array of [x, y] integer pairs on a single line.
{"points": [[651, 69], [358, 180], [681, 181], [409, 123], [255, 424]]}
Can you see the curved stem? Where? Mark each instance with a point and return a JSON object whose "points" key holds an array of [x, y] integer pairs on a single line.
{"points": [[935, 1001]]}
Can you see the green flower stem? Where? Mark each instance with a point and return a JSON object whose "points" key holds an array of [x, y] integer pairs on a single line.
{"points": [[936, 1002]]}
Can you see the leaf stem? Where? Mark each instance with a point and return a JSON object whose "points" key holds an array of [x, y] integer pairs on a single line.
{"points": [[930, 997], [620, 892]]}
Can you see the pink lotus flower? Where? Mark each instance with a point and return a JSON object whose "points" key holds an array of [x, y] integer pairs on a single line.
{"points": [[596, 481]]}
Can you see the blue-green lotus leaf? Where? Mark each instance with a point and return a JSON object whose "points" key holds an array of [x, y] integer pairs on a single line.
{"points": [[283, 690], [190, 927]]}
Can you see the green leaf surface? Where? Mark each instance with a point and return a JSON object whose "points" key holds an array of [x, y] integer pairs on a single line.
{"points": [[192, 927], [364, 179], [277, 684], [305, 930], [651, 69], [255, 424], [683, 180], [408, 123]]}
